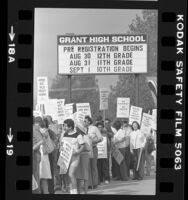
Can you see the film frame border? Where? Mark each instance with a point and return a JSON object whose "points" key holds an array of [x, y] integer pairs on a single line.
{"points": [[168, 183]]}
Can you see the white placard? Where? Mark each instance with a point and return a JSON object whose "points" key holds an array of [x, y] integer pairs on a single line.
{"points": [[65, 156], [154, 121], [135, 114], [84, 108], [42, 90], [68, 111], [40, 107], [104, 98], [123, 105], [60, 110], [102, 148], [146, 124], [37, 113], [79, 121], [79, 117], [68, 108], [102, 54]]}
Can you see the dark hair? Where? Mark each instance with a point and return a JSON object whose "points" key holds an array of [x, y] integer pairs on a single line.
{"points": [[89, 119], [107, 119], [70, 123], [125, 121], [100, 124], [38, 120], [49, 118], [44, 123], [138, 125], [117, 125], [99, 118]]}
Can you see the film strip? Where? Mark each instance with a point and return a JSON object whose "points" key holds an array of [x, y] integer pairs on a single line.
{"points": [[171, 94]]}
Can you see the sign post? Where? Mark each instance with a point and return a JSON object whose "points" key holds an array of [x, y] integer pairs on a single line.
{"points": [[137, 88], [104, 116], [69, 88]]}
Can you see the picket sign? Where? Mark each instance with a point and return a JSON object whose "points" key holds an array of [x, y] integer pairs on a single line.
{"points": [[37, 113], [146, 124], [84, 108], [117, 155], [135, 114], [68, 112], [102, 148], [60, 110], [154, 121], [79, 121], [79, 117], [103, 99], [123, 105], [65, 156], [42, 90]]}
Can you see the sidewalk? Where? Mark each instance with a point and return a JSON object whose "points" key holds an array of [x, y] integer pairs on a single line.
{"points": [[130, 187]]}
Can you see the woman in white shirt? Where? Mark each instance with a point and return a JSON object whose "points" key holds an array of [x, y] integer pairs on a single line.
{"points": [[137, 143]]}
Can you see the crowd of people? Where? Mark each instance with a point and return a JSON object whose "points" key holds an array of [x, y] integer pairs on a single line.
{"points": [[86, 170]]}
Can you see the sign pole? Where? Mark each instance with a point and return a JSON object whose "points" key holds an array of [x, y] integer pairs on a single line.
{"points": [[104, 115], [69, 76], [69, 88], [137, 89]]}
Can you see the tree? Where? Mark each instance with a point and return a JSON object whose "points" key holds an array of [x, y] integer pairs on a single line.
{"points": [[147, 24], [125, 87]]}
